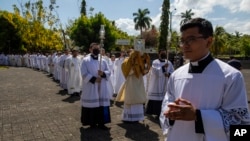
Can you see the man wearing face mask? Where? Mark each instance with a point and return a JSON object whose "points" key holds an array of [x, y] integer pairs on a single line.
{"points": [[158, 77], [95, 99]]}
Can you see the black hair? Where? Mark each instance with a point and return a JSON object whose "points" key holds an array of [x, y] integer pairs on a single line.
{"points": [[205, 26], [160, 50], [93, 44]]}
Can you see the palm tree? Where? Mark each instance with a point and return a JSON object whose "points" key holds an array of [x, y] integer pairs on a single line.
{"points": [[141, 20], [219, 41], [238, 34], [186, 16], [91, 10]]}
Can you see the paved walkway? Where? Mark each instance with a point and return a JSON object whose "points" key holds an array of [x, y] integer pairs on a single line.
{"points": [[34, 108]]}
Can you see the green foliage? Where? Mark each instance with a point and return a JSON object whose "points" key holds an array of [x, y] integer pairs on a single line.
{"points": [[28, 33], [164, 28], [186, 16], [219, 42], [230, 44], [141, 20], [174, 42], [81, 32], [83, 8], [85, 30], [9, 37], [245, 45]]}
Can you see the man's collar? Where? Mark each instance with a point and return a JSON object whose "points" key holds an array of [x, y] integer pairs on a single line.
{"points": [[94, 57], [199, 66]]}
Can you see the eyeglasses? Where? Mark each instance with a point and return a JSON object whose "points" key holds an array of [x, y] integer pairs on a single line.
{"points": [[189, 40]]}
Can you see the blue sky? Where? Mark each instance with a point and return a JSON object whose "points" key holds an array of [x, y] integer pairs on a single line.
{"points": [[233, 15]]}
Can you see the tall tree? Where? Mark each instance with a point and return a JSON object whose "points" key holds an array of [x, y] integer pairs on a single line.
{"points": [[245, 45], [186, 16], [86, 30], [164, 26], [238, 34], [219, 42], [83, 8], [34, 35], [9, 37], [141, 20]]}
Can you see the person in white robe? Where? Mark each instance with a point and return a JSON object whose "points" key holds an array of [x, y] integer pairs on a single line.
{"points": [[111, 67], [2, 58], [19, 60], [106, 58], [33, 61], [45, 63], [205, 96], [73, 66], [119, 78], [37, 61], [95, 99], [12, 60], [158, 77], [64, 74], [132, 91], [56, 67], [25, 58], [50, 63], [59, 68]]}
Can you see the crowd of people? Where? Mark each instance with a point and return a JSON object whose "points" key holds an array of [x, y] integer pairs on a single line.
{"points": [[124, 77], [200, 100]]}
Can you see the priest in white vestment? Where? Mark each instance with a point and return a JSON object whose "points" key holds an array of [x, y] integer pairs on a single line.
{"points": [[57, 68], [119, 78], [50, 63], [106, 58], [95, 98], [111, 67], [73, 66], [205, 96], [157, 84], [64, 74]]}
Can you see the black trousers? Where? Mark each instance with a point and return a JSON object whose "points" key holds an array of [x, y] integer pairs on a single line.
{"points": [[93, 116]]}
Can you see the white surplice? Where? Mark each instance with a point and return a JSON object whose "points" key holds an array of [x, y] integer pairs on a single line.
{"points": [[97, 94], [218, 92], [64, 73], [50, 63], [157, 80], [119, 78], [73, 66], [56, 67]]}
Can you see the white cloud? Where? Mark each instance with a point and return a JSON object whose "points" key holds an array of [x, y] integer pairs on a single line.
{"points": [[156, 20], [127, 25], [201, 9], [245, 6], [240, 26]]}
